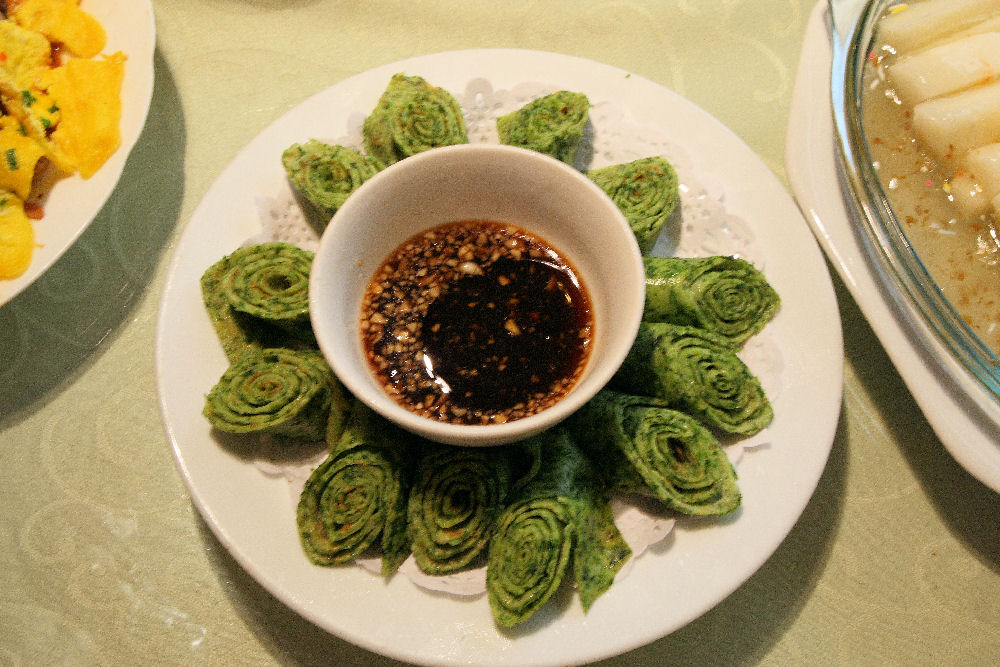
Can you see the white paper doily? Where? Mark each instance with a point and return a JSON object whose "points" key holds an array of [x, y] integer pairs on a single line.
{"points": [[701, 227]]}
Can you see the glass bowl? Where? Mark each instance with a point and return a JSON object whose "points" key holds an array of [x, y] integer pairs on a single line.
{"points": [[969, 360]]}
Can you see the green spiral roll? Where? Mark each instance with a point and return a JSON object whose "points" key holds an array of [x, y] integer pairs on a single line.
{"points": [[725, 295], [560, 515], [326, 175], [258, 297], [644, 447], [695, 371], [552, 124], [457, 495], [412, 116], [645, 190], [356, 498], [341, 406], [273, 391]]}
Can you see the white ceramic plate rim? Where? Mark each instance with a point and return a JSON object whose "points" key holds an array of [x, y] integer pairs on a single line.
{"points": [[252, 516], [74, 202], [927, 369]]}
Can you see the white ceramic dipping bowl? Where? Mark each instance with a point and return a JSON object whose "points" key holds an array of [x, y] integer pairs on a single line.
{"points": [[477, 182]]}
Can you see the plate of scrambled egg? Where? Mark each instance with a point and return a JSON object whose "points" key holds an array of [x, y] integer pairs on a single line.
{"points": [[76, 79]]}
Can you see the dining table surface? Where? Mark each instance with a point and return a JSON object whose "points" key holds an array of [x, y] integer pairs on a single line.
{"points": [[105, 559]]}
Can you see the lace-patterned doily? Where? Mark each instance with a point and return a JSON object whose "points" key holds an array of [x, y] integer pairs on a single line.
{"points": [[701, 227]]}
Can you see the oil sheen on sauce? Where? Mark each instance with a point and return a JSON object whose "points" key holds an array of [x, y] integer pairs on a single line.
{"points": [[476, 322]]}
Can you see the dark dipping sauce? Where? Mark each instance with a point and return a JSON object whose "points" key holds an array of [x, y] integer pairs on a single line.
{"points": [[476, 322]]}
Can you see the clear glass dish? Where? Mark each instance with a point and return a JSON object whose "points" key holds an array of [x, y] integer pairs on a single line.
{"points": [[905, 275]]}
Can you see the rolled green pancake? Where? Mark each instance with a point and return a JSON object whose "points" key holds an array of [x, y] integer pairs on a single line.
{"points": [[558, 516], [412, 116], [642, 446], [356, 498], [341, 406], [258, 297], [457, 495], [646, 192], [552, 124], [274, 391], [725, 295], [326, 175], [695, 371]]}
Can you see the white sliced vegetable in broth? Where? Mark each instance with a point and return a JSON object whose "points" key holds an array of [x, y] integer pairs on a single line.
{"points": [[975, 186], [916, 25], [947, 69], [954, 125], [984, 164], [968, 195]]}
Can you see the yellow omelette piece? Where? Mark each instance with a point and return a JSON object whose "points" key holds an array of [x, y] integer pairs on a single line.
{"points": [[17, 237], [62, 21], [24, 54], [25, 61], [19, 154], [88, 95], [22, 103], [68, 114]]}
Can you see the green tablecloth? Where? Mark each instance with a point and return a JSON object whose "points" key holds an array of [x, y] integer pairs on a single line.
{"points": [[103, 557]]}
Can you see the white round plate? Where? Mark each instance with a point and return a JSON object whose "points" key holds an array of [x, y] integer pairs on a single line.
{"points": [[74, 202], [961, 413], [669, 586]]}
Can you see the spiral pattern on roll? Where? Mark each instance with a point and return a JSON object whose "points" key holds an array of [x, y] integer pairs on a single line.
{"points": [[528, 558], [412, 116], [698, 372], [560, 511], [326, 175], [356, 498], [456, 497], [275, 391], [258, 297], [270, 282], [340, 509], [552, 124], [645, 191], [725, 295], [644, 447]]}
